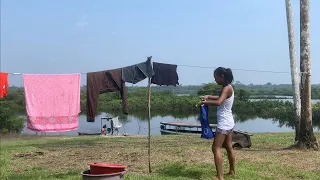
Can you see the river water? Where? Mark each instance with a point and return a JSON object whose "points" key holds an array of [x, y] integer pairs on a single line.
{"points": [[137, 126]]}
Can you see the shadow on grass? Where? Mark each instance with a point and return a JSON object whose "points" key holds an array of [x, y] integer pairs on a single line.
{"points": [[263, 150], [71, 143], [66, 175], [39, 173], [176, 170]]}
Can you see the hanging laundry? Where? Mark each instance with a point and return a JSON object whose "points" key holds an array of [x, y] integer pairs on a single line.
{"points": [[138, 72], [165, 74], [206, 131], [102, 82], [3, 84], [52, 102]]}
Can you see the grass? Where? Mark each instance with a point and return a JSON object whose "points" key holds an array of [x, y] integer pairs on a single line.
{"points": [[173, 157]]}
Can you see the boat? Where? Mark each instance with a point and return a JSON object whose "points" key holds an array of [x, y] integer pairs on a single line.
{"points": [[240, 139], [181, 128], [87, 134]]}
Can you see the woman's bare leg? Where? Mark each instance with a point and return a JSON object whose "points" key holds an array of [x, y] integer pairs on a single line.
{"points": [[231, 157], [216, 149]]}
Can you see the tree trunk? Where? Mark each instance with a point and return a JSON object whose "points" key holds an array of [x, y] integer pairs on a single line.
{"points": [[294, 70], [306, 135]]}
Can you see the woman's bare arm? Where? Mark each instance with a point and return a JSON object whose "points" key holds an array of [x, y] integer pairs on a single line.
{"points": [[213, 97], [209, 97], [221, 98]]}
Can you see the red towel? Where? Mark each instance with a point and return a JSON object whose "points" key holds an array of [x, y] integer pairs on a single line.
{"points": [[3, 84]]}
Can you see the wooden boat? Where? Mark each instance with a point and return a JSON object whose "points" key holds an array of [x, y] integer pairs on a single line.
{"points": [[181, 128], [87, 134], [240, 139]]}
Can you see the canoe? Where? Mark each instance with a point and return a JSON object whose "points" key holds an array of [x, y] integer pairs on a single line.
{"points": [[240, 139], [186, 125], [172, 131], [167, 128], [87, 134]]}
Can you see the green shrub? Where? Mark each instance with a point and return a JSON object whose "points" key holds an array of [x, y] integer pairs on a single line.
{"points": [[9, 123]]}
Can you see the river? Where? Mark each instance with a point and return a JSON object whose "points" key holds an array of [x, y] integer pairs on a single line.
{"points": [[139, 126]]}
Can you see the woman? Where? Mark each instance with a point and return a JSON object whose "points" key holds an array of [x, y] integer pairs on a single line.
{"points": [[223, 136]]}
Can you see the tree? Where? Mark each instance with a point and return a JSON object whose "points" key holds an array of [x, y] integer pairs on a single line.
{"points": [[209, 89], [306, 135], [8, 122], [244, 95], [294, 70]]}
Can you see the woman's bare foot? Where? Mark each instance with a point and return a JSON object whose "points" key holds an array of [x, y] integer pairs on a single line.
{"points": [[217, 178], [230, 173]]}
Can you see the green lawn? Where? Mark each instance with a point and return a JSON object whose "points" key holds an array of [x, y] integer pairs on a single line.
{"points": [[173, 157]]}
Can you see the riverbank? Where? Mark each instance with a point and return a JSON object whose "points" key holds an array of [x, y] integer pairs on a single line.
{"points": [[173, 157]]}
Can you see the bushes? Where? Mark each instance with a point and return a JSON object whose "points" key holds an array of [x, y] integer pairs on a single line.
{"points": [[316, 114], [9, 123]]}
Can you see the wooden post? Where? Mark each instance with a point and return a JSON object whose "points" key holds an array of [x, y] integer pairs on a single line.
{"points": [[294, 70], [149, 121], [306, 135], [149, 124]]}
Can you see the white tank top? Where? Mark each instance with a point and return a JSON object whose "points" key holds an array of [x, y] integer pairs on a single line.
{"points": [[224, 114]]}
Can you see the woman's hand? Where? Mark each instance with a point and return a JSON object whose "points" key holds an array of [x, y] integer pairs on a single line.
{"points": [[200, 103], [206, 97]]}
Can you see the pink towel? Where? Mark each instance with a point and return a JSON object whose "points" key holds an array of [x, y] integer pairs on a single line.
{"points": [[52, 102]]}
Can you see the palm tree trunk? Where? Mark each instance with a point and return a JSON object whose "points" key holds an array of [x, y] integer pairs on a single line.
{"points": [[306, 135], [294, 70]]}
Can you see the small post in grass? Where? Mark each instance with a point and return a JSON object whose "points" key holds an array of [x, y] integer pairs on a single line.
{"points": [[149, 121], [149, 124]]}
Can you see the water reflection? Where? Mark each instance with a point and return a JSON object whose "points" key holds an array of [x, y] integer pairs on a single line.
{"points": [[287, 98]]}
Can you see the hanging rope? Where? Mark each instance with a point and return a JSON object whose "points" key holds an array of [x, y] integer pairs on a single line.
{"points": [[211, 67]]}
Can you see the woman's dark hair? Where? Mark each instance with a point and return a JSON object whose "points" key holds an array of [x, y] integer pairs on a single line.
{"points": [[226, 73]]}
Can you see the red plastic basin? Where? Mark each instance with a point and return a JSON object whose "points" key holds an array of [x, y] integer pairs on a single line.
{"points": [[105, 168]]}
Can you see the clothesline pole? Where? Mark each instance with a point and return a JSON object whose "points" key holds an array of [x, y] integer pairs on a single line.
{"points": [[149, 124], [149, 120]]}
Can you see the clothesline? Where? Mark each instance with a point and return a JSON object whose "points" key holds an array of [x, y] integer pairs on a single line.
{"points": [[209, 67], [29, 73], [254, 70]]}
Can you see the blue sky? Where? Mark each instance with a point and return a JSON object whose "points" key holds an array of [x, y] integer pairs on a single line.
{"points": [[59, 36]]}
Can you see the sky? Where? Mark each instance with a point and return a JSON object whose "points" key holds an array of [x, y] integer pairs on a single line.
{"points": [[80, 36]]}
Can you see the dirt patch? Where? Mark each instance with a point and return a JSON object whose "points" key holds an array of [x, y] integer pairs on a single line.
{"points": [[133, 152], [300, 160], [28, 154]]}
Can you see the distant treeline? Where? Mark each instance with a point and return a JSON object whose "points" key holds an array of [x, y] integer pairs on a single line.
{"points": [[268, 89], [255, 90], [164, 98]]}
